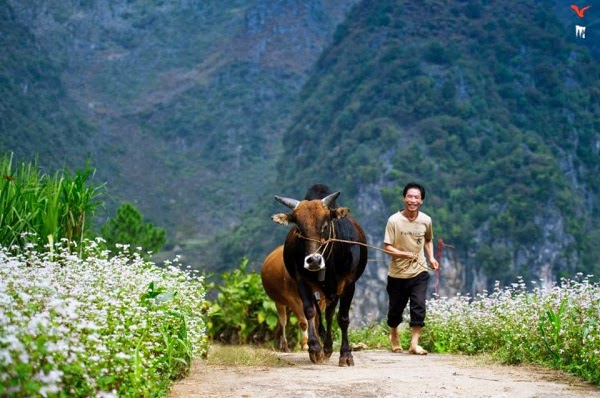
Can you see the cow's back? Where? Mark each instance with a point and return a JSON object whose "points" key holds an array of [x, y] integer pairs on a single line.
{"points": [[358, 236], [276, 281]]}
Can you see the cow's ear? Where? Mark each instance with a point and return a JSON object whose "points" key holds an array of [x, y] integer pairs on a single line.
{"points": [[340, 212], [282, 218]]}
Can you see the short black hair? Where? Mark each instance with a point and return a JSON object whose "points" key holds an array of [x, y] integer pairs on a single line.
{"points": [[414, 185]]}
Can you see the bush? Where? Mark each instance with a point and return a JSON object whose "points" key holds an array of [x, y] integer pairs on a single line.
{"points": [[242, 312]]}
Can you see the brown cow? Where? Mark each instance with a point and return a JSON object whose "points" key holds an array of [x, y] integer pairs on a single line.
{"points": [[325, 250], [282, 289]]}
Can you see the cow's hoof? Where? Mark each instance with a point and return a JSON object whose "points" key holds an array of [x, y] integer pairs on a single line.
{"points": [[316, 357], [346, 361], [327, 354]]}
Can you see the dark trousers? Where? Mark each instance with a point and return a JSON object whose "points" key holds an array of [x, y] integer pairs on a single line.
{"points": [[400, 291]]}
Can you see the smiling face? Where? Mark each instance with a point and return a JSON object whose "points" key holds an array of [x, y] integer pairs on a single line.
{"points": [[413, 200]]}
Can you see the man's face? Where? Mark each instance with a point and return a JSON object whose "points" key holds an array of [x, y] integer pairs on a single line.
{"points": [[413, 200]]}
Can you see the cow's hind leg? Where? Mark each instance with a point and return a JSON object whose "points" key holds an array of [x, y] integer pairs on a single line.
{"points": [[297, 308], [346, 358], [282, 314], [304, 328]]}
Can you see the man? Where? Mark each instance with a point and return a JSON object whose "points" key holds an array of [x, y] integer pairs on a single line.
{"points": [[408, 238]]}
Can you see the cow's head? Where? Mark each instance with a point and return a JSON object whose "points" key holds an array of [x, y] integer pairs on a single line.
{"points": [[313, 222]]}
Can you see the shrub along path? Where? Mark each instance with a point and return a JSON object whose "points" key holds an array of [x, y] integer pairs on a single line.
{"points": [[379, 373]]}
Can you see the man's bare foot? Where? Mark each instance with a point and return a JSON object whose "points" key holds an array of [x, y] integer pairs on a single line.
{"points": [[418, 350], [395, 343]]}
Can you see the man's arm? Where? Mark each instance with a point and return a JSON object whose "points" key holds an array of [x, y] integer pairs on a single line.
{"points": [[392, 251], [429, 251]]}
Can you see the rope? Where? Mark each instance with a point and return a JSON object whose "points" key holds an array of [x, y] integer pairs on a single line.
{"points": [[358, 243], [325, 243]]}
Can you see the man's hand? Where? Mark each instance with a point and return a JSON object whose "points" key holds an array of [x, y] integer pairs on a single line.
{"points": [[433, 263]]}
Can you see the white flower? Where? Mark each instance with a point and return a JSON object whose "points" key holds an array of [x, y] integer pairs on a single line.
{"points": [[49, 389], [14, 344], [5, 358], [123, 356], [24, 357], [38, 323], [104, 394]]}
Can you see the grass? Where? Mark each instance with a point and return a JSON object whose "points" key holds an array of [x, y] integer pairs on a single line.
{"points": [[242, 355]]}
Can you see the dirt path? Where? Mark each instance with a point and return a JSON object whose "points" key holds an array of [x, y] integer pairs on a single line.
{"points": [[379, 373]]}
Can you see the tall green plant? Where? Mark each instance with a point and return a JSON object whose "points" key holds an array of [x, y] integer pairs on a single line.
{"points": [[50, 208], [44, 209], [18, 198], [78, 200]]}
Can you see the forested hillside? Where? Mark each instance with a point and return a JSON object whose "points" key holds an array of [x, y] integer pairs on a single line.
{"points": [[493, 106], [181, 105], [200, 112], [37, 117]]}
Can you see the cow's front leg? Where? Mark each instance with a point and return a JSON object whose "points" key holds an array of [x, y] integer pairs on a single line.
{"points": [[328, 342], [315, 351], [344, 320]]}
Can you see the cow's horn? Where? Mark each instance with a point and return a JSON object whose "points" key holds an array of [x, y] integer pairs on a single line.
{"points": [[291, 203], [329, 199]]}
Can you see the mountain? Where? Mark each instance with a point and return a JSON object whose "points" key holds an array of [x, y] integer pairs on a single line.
{"points": [[38, 118], [200, 112], [493, 106], [181, 105]]}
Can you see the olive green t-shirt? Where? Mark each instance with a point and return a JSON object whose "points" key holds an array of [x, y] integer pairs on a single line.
{"points": [[409, 236]]}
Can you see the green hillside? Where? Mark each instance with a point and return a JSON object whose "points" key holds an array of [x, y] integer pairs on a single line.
{"points": [[181, 104], [37, 118], [492, 105]]}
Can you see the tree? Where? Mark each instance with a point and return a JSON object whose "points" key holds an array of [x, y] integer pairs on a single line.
{"points": [[129, 228]]}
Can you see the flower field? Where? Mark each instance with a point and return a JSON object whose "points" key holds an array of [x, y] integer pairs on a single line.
{"points": [[95, 325], [557, 326]]}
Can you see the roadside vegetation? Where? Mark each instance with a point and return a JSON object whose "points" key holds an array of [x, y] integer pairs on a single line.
{"points": [[80, 316], [557, 327], [107, 326], [38, 208]]}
